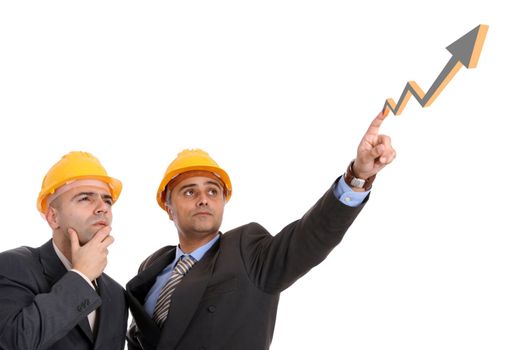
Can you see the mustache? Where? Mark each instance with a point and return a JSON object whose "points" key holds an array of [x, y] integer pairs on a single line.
{"points": [[100, 219]]}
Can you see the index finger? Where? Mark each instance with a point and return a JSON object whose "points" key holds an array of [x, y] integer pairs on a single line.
{"points": [[101, 234], [73, 239], [376, 123]]}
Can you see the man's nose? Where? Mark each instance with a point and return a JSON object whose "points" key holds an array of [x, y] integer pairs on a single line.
{"points": [[102, 206], [202, 201]]}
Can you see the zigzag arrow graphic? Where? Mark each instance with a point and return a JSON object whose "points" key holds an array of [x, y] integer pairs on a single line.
{"points": [[465, 51]]}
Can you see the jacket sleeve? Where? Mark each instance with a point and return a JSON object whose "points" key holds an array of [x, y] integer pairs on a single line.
{"points": [[273, 263], [32, 319], [133, 337]]}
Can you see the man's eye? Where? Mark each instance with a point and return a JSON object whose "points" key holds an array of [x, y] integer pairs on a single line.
{"points": [[83, 198], [213, 192], [109, 201], [188, 193]]}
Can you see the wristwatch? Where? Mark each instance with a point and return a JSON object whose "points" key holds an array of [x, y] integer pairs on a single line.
{"points": [[356, 182]]}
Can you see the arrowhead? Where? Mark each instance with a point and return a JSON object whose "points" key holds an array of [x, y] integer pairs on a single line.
{"points": [[468, 48]]}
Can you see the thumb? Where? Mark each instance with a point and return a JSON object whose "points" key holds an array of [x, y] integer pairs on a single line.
{"points": [[377, 151], [73, 238]]}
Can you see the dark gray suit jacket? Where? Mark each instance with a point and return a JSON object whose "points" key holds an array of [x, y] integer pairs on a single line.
{"points": [[43, 306], [228, 300]]}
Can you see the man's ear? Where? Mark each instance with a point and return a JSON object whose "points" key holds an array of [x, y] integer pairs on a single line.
{"points": [[170, 211], [52, 218]]}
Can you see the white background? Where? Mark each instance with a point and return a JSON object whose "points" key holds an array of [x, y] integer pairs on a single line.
{"points": [[280, 93]]}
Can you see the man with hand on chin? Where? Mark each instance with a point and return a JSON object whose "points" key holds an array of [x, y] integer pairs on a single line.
{"points": [[56, 296]]}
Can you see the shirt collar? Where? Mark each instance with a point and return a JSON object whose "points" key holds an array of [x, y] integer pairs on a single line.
{"points": [[198, 253]]}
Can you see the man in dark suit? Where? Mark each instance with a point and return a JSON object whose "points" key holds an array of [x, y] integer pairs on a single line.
{"points": [[56, 296], [220, 291]]}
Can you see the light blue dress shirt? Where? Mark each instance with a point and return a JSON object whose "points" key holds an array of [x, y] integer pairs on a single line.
{"points": [[342, 191], [162, 278]]}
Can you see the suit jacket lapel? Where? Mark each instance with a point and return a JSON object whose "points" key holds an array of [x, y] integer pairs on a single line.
{"points": [[142, 283], [138, 288], [186, 298], [104, 316], [51, 265], [53, 271], [104, 311], [86, 329]]}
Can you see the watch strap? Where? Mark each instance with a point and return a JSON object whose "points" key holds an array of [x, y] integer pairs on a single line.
{"points": [[353, 181]]}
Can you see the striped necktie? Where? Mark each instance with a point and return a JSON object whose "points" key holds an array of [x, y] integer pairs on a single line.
{"points": [[163, 302]]}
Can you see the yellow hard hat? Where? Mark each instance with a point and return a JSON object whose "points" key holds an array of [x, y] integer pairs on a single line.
{"points": [[190, 160], [75, 166]]}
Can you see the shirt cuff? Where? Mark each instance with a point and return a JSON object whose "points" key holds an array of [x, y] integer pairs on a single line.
{"points": [[347, 196]]}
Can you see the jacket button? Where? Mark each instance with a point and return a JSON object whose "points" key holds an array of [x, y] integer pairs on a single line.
{"points": [[212, 308]]}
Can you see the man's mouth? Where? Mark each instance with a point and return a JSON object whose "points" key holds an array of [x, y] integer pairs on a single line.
{"points": [[204, 213]]}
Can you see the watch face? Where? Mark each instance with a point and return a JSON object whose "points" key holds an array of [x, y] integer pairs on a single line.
{"points": [[359, 183]]}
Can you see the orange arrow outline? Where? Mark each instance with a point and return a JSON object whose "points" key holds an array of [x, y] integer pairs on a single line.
{"points": [[465, 51]]}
